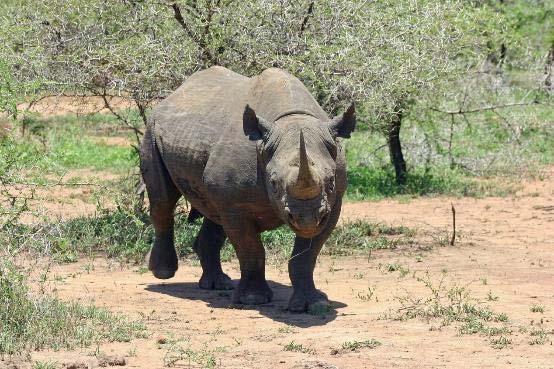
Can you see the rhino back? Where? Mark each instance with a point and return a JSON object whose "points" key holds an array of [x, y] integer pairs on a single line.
{"points": [[275, 93], [189, 122]]}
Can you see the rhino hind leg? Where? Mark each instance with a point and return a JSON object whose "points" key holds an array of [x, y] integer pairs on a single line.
{"points": [[208, 245], [163, 196]]}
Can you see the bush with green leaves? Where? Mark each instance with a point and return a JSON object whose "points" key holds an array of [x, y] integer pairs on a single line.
{"points": [[386, 56]]}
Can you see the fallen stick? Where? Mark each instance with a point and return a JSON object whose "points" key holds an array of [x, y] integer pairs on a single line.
{"points": [[453, 225]]}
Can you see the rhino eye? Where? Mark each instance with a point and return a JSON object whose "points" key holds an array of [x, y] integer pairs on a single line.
{"points": [[274, 184], [332, 185]]}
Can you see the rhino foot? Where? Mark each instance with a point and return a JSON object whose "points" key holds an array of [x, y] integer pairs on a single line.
{"points": [[161, 265], [215, 281], [253, 294], [314, 302], [163, 273]]}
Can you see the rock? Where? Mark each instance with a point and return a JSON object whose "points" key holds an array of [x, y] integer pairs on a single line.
{"points": [[161, 340], [10, 364], [105, 361], [75, 365], [314, 364]]}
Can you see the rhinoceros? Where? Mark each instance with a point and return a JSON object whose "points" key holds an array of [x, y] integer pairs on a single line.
{"points": [[249, 155]]}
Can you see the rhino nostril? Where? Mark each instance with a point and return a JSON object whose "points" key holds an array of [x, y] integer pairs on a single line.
{"points": [[323, 218], [290, 218]]}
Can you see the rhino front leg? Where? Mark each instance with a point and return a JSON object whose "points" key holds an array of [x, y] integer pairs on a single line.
{"points": [[305, 296], [208, 245], [253, 288]]}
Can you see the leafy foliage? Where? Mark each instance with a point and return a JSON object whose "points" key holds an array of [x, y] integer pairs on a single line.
{"points": [[382, 55]]}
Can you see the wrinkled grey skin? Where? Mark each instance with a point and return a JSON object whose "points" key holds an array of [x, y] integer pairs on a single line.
{"points": [[249, 154]]}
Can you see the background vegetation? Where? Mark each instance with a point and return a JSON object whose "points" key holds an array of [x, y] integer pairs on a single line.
{"points": [[453, 97]]}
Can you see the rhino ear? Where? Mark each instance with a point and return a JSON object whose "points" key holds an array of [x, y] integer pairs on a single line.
{"points": [[254, 127], [343, 125]]}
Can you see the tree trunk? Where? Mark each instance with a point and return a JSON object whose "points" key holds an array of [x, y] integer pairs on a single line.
{"points": [[395, 149]]}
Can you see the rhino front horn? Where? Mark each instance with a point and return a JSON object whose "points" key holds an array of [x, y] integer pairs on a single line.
{"points": [[305, 186]]}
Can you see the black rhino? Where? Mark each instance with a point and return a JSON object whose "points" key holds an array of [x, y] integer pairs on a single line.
{"points": [[249, 154]]}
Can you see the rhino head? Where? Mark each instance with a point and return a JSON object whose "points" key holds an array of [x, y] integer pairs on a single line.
{"points": [[299, 157]]}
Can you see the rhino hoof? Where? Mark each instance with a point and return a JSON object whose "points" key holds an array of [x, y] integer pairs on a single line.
{"points": [[253, 296], [220, 281], [254, 299], [163, 273], [314, 303]]}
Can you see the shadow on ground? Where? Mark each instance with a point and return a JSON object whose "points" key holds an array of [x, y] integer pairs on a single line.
{"points": [[275, 310]]}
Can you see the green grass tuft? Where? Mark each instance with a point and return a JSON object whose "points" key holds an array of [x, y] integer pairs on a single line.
{"points": [[378, 183], [297, 347], [356, 345], [452, 303], [35, 321]]}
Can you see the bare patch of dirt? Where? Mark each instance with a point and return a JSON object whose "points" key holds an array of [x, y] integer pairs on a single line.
{"points": [[60, 201], [113, 140], [505, 257], [63, 105]]}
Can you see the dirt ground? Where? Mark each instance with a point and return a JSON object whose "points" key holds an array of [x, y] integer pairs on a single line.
{"points": [[60, 202], [63, 105], [506, 250]]}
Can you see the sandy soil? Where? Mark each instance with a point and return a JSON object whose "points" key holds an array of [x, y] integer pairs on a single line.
{"points": [[506, 249], [63, 105], [55, 201]]}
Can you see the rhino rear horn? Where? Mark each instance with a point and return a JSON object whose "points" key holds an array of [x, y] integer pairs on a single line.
{"points": [[254, 127]]}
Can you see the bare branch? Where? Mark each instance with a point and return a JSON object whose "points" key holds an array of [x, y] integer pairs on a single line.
{"points": [[485, 108], [59, 184], [207, 56], [108, 106], [307, 18], [453, 225]]}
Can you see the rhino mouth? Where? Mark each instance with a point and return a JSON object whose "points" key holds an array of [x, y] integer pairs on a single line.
{"points": [[308, 230], [305, 233]]}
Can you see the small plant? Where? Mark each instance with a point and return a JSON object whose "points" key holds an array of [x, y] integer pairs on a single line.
{"points": [[364, 236], [537, 309], [367, 296], [356, 345], [501, 342], [177, 352], [297, 347], [132, 352], [45, 365], [286, 329], [538, 336], [452, 303], [395, 267]]}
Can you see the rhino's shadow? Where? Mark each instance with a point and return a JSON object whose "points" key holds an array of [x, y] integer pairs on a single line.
{"points": [[276, 310]]}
